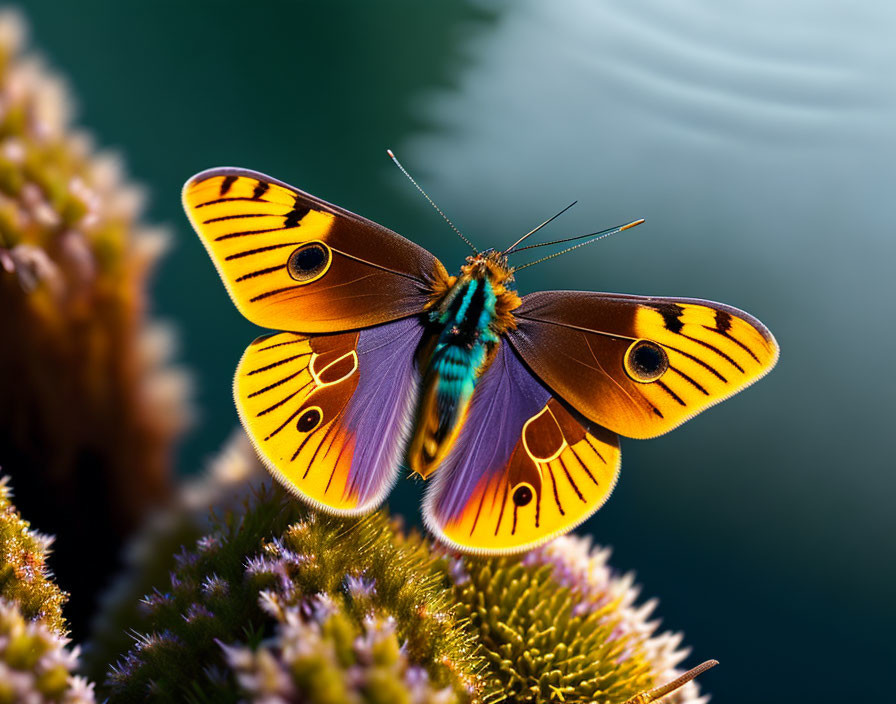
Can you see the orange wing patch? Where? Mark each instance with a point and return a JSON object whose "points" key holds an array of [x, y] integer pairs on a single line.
{"points": [[291, 391], [265, 242], [559, 474]]}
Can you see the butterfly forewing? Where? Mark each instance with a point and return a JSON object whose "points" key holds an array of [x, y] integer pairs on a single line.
{"points": [[640, 366], [294, 262]]}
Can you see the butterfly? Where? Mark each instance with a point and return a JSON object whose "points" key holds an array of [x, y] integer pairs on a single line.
{"points": [[511, 407]]}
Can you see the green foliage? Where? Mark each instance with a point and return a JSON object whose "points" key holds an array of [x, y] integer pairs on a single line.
{"points": [[24, 577]]}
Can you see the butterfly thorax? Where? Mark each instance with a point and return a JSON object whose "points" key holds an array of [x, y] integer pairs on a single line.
{"points": [[468, 315]]}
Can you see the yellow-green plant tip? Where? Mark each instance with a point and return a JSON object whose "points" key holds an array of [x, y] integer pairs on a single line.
{"points": [[53, 682], [35, 662]]}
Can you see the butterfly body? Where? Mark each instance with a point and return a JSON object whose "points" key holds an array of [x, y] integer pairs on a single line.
{"points": [[467, 323], [510, 407]]}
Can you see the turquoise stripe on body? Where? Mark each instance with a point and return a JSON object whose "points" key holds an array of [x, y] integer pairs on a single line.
{"points": [[463, 344]]}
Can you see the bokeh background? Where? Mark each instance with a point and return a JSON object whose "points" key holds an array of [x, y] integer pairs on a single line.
{"points": [[756, 138]]}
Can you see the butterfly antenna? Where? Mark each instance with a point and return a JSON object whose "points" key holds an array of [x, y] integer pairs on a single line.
{"points": [[608, 231], [595, 236], [657, 693], [532, 232], [431, 201]]}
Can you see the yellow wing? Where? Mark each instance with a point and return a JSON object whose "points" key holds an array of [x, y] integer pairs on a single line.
{"points": [[291, 261], [327, 413], [523, 470]]}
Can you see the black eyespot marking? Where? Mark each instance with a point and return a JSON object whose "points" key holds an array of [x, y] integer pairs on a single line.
{"points": [[646, 361], [309, 261], [522, 495], [308, 421]]}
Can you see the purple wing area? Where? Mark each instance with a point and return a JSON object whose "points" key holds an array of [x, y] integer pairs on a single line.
{"points": [[506, 396], [379, 413]]}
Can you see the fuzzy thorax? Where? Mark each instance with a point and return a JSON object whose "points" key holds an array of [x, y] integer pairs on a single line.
{"points": [[492, 267]]}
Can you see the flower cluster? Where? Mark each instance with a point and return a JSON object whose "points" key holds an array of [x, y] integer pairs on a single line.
{"points": [[35, 664], [319, 653], [559, 624], [246, 607], [594, 586]]}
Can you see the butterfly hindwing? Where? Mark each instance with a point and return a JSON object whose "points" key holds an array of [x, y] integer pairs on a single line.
{"points": [[328, 413], [294, 262], [524, 468], [639, 365]]}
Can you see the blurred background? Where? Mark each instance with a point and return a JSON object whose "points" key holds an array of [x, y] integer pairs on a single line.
{"points": [[756, 138]]}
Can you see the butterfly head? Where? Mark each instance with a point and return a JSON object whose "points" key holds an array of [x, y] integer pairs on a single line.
{"points": [[491, 265]]}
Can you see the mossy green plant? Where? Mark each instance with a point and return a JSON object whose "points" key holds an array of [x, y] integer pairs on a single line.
{"points": [[25, 579], [239, 613], [35, 663], [558, 624], [537, 647], [150, 555], [584, 570], [275, 557]]}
